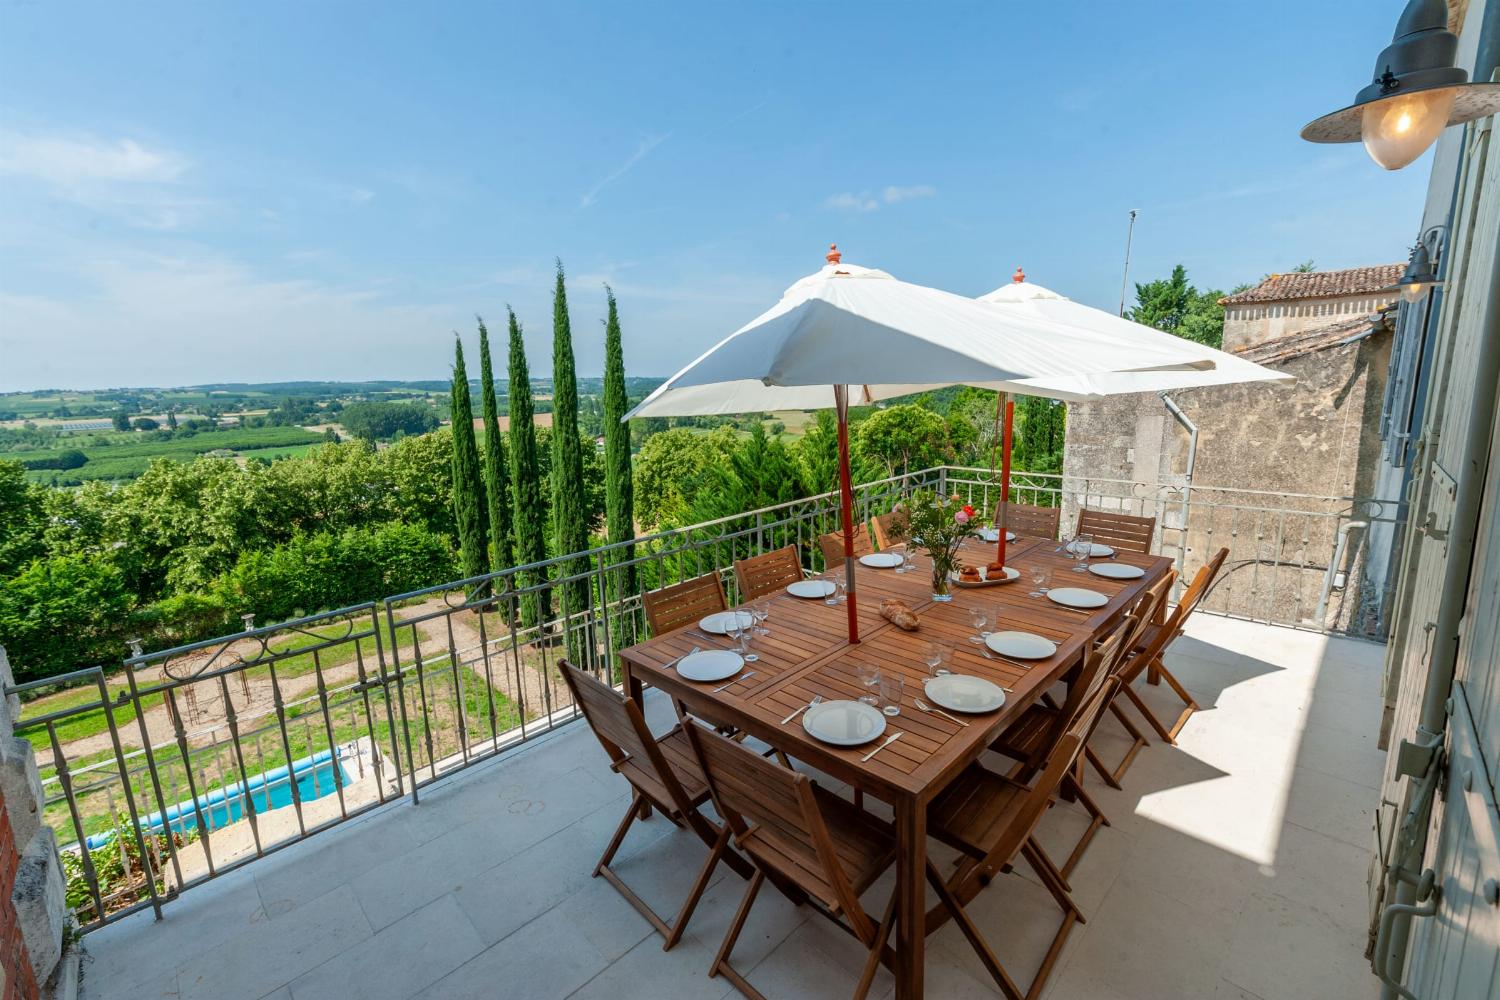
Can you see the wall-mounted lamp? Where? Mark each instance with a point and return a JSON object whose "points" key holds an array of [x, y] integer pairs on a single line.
{"points": [[1416, 92], [1421, 270]]}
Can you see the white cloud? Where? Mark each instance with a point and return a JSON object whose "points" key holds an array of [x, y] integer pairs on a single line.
{"points": [[70, 161], [641, 151], [865, 201]]}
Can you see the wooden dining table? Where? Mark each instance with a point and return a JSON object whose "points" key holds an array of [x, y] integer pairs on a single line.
{"points": [[806, 653]]}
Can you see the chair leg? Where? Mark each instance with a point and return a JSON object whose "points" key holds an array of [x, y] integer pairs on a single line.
{"points": [[1190, 704], [721, 960], [671, 932], [872, 961], [1147, 714], [1097, 819], [976, 940]]}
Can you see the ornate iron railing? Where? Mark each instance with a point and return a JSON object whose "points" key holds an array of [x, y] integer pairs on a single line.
{"points": [[180, 765]]}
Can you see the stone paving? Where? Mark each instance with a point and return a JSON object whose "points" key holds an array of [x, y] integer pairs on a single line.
{"points": [[1234, 868]]}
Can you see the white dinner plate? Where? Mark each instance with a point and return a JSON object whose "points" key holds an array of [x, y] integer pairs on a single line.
{"points": [[1021, 645], [1077, 597], [843, 723], [1117, 571], [810, 588], [993, 535], [962, 693], [718, 623], [1100, 551], [882, 560], [710, 665]]}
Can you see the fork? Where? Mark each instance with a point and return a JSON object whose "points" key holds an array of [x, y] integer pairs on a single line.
{"points": [[673, 664], [817, 699], [938, 711], [735, 680]]}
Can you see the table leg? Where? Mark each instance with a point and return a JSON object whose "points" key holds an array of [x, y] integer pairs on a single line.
{"points": [[911, 897]]}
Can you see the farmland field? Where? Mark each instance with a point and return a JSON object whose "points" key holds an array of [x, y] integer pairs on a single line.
{"points": [[125, 456]]}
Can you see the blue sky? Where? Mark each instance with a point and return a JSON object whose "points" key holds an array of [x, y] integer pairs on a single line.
{"points": [[247, 192]]}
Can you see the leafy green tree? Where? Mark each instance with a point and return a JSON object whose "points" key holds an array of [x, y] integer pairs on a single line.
{"points": [[666, 466], [172, 419], [82, 597], [902, 438], [1306, 267], [469, 505], [570, 530], [496, 465], [1174, 305], [23, 519], [618, 482], [383, 421], [817, 455], [530, 516], [1038, 442], [760, 473], [121, 420]]}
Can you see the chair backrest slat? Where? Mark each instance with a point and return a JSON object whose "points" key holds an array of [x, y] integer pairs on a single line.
{"points": [[621, 729], [766, 574], [1125, 532], [832, 545], [890, 529], [1028, 521], [751, 792], [682, 604]]}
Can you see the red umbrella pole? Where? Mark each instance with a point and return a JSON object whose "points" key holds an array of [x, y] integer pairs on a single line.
{"points": [[841, 405], [1010, 414]]}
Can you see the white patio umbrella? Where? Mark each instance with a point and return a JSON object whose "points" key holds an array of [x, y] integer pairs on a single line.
{"points": [[854, 333], [1023, 300]]}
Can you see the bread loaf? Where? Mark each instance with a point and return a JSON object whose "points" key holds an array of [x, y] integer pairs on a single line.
{"points": [[898, 614]]}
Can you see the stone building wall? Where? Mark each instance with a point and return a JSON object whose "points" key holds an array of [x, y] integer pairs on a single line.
{"points": [[1317, 436], [1254, 323]]}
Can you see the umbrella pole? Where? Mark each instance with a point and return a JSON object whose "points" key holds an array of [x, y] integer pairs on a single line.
{"points": [[1010, 414], [841, 405]]}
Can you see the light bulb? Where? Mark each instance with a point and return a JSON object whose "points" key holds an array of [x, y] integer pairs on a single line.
{"points": [[1414, 291], [1397, 130]]}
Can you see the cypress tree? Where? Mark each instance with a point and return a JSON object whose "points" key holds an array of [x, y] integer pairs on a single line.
{"points": [[468, 483], [619, 494], [496, 466], [570, 529], [528, 514]]}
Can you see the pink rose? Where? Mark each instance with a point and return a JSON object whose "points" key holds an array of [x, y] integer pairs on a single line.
{"points": [[961, 517]]}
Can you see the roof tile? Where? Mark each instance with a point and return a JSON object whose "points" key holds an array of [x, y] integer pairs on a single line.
{"points": [[1319, 284]]}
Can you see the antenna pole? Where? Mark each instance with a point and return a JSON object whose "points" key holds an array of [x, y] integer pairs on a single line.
{"points": [[1125, 278]]}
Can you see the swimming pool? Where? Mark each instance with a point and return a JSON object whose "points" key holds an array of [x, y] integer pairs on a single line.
{"points": [[268, 790]]}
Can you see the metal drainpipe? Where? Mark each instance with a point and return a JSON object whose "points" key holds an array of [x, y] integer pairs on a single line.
{"points": [[1192, 463], [1467, 500]]}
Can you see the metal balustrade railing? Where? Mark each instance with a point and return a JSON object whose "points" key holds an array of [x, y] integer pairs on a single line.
{"points": [[180, 765]]}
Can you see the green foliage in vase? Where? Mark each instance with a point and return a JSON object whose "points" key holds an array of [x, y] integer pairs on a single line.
{"points": [[938, 525]]}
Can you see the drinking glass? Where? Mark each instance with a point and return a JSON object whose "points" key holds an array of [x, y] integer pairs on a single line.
{"points": [[892, 687], [760, 610], [869, 678], [1083, 547], [837, 593], [936, 658], [979, 618], [1039, 576]]}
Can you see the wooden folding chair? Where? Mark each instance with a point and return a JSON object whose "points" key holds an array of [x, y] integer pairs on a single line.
{"points": [[1031, 522], [1124, 532], [766, 574], [832, 545], [992, 818], [1158, 639], [663, 773], [1031, 737], [810, 843], [889, 529], [682, 604]]}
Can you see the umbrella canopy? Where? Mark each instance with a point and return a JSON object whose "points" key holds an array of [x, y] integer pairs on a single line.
{"points": [[1022, 300], [882, 337]]}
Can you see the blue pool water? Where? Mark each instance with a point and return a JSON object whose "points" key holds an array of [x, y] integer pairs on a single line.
{"points": [[269, 790]]}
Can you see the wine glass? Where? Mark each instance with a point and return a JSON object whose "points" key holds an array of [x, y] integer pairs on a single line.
{"points": [[1082, 548], [1039, 575], [979, 617], [935, 655], [869, 679], [760, 610], [892, 687]]}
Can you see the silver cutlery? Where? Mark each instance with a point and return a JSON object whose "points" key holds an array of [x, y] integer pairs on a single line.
{"points": [[735, 680], [816, 700], [891, 739], [700, 635], [938, 711], [673, 664]]}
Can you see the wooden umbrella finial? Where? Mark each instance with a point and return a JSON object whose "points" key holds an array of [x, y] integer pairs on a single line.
{"points": [[1019, 276], [833, 254]]}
